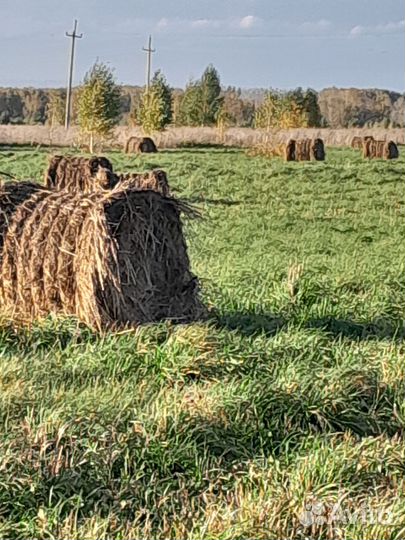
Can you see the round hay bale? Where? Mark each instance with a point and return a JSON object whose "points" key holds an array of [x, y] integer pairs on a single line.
{"points": [[119, 258], [155, 180], [317, 150], [138, 145], [290, 150], [77, 173]]}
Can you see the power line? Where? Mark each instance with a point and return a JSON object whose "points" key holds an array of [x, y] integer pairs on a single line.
{"points": [[74, 36]]}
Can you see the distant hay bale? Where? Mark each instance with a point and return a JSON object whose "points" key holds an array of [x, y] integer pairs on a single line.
{"points": [[112, 259], [290, 150], [79, 173], [140, 145], [155, 180], [357, 143], [317, 150], [373, 149]]}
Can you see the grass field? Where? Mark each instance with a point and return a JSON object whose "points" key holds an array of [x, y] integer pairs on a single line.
{"points": [[291, 395]]}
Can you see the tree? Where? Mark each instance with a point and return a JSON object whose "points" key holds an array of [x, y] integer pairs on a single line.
{"points": [[55, 109], [267, 115], [202, 100], [154, 110], [98, 103], [239, 112], [163, 90], [210, 96], [151, 115], [311, 105], [190, 105]]}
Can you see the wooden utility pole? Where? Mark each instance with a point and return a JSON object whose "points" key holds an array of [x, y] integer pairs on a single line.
{"points": [[148, 50], [74, 36]]}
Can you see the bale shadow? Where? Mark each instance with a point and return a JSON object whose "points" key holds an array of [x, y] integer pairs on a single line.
{"points": [[250, 323], [215, 202], [380, 329]]}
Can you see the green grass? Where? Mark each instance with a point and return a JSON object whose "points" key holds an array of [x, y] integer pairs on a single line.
{"points": [[293, 391]]}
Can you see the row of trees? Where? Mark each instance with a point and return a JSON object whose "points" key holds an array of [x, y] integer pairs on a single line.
{"points": [[203, 103]]}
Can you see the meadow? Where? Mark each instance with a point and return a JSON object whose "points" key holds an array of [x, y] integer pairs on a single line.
{"points": [[289, 399]]}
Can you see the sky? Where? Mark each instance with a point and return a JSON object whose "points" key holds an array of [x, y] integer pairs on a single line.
{"points": [[253, 43]]}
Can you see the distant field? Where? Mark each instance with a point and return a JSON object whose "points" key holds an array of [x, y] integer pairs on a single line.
{"points": [[291, 395]]}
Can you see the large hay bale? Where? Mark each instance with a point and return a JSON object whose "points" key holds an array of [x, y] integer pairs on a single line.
{"points": [[290, 150], [76, 173], [112, 259], [12, 195], [155, 180], [138, 145], [317, 150]]}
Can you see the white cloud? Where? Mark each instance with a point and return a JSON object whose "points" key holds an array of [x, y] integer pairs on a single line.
{"points": [[162, 23], [249, 21], [387, 28], [205, 23]]}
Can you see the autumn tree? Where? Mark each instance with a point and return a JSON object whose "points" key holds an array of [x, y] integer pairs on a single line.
{"points": [[98, 103], [55, 109]]}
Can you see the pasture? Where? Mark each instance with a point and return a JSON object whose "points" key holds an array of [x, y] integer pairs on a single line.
{"points": [[291, 394]]}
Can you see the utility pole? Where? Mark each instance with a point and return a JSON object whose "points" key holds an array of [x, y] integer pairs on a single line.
{"points": [[74, 36], [149, 50]]}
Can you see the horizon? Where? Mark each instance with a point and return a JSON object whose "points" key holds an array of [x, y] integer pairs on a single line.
{"points": [[283, 44]]}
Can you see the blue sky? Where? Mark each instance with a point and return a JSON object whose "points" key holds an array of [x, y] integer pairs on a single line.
{"points": [[253, 43]]}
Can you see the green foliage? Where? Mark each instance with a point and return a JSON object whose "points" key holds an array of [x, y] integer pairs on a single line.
{"points": [[202, 100], [210, 96], [163, 90], [190, 106], [155, 108], [55, 113], [151, 112], [98, 102], [292, 109], [292, 392]]}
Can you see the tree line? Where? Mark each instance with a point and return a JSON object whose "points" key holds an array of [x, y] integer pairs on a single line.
{"points": [[202, 103]]}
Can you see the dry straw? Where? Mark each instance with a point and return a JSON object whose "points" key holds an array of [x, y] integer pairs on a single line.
{"points": [[155, 180], [113, 259]]}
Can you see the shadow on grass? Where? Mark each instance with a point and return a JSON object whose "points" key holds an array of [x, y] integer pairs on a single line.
{"points": [[249, 324], [380, 328], [217, 202]]}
